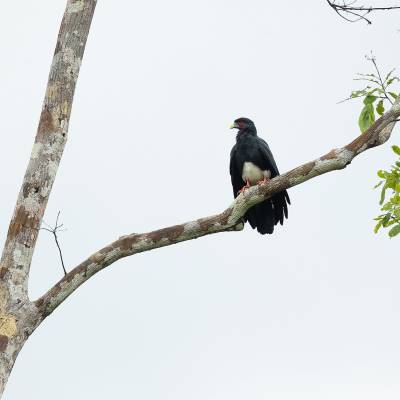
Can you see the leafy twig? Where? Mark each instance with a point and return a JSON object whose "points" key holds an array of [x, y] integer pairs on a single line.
{"points": [[382, 83], [391, 208], [377, 89]]}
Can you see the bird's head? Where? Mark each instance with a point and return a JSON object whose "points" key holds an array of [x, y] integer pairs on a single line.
{"points": [[244, 124]]}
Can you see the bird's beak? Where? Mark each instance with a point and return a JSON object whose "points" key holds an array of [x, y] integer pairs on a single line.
{"points": [[234, 125]]}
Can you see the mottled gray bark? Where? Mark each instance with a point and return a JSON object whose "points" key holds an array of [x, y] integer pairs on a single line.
{"points": [[19, 317], [17, 322]]}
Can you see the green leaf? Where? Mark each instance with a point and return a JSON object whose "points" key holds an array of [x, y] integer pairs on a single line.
{"points": [[383, 193], [394, 95], [396, 149], [373, 75], [390, 223], [367, 116], [358, 93], [388, 75], [391, 80], [394, 231], [365, 78], [386, 219], [380, 109], [391, 181], [378, 226], [369, 99], [396, 198], [381, 174]]}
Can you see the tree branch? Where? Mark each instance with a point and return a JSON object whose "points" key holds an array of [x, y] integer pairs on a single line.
{"points": [[228, 220], [48, 147], [356, 12]]}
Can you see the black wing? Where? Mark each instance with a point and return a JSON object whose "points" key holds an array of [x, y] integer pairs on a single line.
{"points": [[280, 200], [235, 170], [266, 160]]}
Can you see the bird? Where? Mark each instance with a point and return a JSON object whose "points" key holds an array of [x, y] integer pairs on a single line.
{"points": [[252, 163]]}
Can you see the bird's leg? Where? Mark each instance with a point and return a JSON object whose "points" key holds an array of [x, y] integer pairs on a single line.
{"points": [[265, 180], [246, 186]]}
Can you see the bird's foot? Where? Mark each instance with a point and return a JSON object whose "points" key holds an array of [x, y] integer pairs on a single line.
{"points": [[265, 180], [243, 189]]}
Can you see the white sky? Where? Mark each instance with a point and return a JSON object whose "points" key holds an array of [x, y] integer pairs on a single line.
{"points": [[311, 312]]}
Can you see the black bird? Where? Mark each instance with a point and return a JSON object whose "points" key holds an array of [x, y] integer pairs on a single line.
{"points": [[253, 163]]}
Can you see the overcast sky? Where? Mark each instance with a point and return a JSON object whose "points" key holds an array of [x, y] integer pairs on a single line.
{"points": [[311, 312]]}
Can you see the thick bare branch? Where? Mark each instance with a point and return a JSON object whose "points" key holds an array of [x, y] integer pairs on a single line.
{"points": [[49, 144], [229, 220]]}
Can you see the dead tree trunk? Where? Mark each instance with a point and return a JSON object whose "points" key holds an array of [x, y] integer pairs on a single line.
{"points": [[19, 316]]}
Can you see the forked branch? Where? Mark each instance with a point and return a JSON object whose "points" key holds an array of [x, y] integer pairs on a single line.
{"points": [[51, 138]]}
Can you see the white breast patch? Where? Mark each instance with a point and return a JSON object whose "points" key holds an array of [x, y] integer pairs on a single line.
{"points": [[253, 174]]}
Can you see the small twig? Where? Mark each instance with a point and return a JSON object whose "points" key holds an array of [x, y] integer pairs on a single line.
{"points": [[54, 231], [347, 99], [59, 250]]}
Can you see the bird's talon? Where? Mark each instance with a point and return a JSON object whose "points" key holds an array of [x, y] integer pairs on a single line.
{"points": [[265, 180], [243, 189]]}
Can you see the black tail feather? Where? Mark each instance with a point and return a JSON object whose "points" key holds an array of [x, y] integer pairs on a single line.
{"points": [[261, 216], [280, 206], [264, 216]]}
